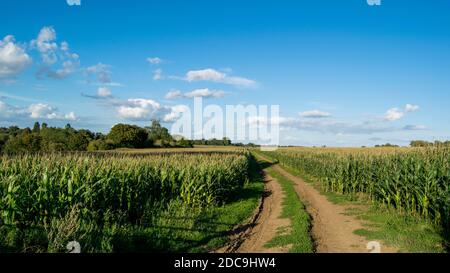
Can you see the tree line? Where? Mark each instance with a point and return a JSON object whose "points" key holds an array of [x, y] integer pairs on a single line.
{"points": [[43, 138], [422, 143]]}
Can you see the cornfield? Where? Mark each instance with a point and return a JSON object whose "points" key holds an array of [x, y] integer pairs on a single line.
{"points": [[37, 189], [416, 181]]}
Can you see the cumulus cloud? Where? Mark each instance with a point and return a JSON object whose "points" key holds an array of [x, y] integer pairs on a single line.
{"points": [[102, 94], [73, 2], [147, 109], [100, 72], [154, 60], [411, 108], [51, 54], [45, 111], [203, 92], [173, 94], [34, 111], [68, 67], [393, 114], [46, 45], [314, 114], [210, 74], [13, 58], [138, 109], [175, 113]]}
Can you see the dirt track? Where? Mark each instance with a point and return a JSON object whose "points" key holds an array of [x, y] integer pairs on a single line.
{"points": [[264, 224], [332, 230]]}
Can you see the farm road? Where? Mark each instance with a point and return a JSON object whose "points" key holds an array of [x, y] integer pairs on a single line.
{"points": [[332, 230], [264, 225]]}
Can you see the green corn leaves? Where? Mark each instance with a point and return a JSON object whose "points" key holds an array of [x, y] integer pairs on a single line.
{"points": [[413, 180]]}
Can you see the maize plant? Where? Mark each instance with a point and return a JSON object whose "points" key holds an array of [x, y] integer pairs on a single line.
{"points": [[413, 180], [34, 189]]}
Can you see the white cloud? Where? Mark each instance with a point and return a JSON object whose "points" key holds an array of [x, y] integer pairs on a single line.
{"points": [[147, 109], [13, 58], [157, 75], [205, 75], [393, 114], [45, 111], [154, 60], [7, 111], [138, 109], [70, 116], [263, 121], [415, 127], [173, 94], [314, 114], [411, 108], [323, 125], [73, 2], [104, 92], [51, 54], [33, 111], [205, 93], [210, 74], [46, 45], [175, 113], [64, 46], [68, 67], [100, 71]]}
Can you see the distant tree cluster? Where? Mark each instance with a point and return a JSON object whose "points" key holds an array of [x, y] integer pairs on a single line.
{"points": [[221, 142], [387, 145], [422, 143], [52, 139], [216, 142], [44, 138]]}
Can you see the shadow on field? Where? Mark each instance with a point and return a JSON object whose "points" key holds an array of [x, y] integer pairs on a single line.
{"points": [[197, 231], [265, 164]]}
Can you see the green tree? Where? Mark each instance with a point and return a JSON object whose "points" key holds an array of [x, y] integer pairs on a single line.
{"points": [[100, 145], [23, 142], [226, 141], [77, 142], [420, 143], [158, 132], [184, 143], [128, 136], [36, 128]]}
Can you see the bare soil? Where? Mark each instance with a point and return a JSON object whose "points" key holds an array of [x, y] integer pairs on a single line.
{"points": [[332, 230], [263, 226]]}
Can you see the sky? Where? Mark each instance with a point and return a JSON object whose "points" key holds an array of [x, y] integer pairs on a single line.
{"points": [[344, 73]]}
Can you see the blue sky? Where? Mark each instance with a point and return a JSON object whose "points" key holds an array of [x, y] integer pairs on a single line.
{"points": [[343, 72]]}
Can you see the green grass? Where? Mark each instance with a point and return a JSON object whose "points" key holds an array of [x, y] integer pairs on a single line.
{"points": [[406, 232], [409, 234], [297, 236], [403, 231]]}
